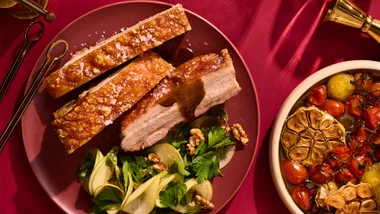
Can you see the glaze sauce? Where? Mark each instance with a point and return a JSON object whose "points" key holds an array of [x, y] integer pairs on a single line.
{"points": [[188, 96]]}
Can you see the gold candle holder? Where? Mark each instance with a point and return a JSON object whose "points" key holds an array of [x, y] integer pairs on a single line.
{"points": [[347, 13]]}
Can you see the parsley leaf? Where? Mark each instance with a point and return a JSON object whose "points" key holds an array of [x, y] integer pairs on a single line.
{"points": [[202, 148], [106, 198], [179, 167], [87, 164], [177, 143], [138, 166], [112, 158], [85, 170], [173, 194], [215, 135], [206, 166], [224, 142], [126, 170]]}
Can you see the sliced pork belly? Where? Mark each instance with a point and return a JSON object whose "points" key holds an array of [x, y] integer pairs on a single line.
{"points": [[90, 63], [80, 120], [191, 90]]}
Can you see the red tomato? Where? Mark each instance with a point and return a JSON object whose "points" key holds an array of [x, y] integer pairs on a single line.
{"points": [[344, 176], [372, 117], [301, 196], [320, 173], [338, 156], [359, 164], [358, 140], [334, 107], [362, 80], [375, 89], [294, 172], [318, 96], [353, 106]]}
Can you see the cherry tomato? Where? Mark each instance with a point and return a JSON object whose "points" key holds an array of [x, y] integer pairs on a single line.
{"points": [[362, 80], [359, 164], [358, 140], [338, 156], [318, 96], [375, 89], [334, 107], [344, 176], [295, 173], [320, 173], [301, 196], [372, 117], [353, 106]]}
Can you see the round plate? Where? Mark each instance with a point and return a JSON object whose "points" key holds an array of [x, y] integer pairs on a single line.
{"points": [[55, 169]]}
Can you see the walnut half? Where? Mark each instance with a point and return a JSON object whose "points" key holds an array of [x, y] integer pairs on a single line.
{"points": [[195, 140], [239, 133], [204, 203]]}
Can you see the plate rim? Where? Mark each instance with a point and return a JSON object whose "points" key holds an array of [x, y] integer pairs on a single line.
{"points": [[256, 147]]}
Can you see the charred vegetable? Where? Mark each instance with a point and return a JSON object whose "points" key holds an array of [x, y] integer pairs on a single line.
{"points": [[309, 134]]}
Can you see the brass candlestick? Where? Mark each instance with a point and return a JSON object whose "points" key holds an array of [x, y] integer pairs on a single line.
{"points": [[347, 13]]}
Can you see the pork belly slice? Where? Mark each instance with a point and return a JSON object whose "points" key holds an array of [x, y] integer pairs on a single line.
{"points": [[149, 120], [90, 63], [80, 120]]}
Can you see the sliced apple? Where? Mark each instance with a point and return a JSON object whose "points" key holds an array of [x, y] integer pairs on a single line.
{"points": [[143, 199], [229, 152], [204, 190], [101, 174], [167, 153]]}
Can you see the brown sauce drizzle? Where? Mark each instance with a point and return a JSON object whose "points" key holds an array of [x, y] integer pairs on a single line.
{"points": [[188, 96]]}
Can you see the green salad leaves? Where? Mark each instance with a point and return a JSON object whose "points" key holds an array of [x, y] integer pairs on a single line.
{"points": [[135, 183]]}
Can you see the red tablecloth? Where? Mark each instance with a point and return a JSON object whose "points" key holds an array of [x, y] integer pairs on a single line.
{"points": [[282, 42]]}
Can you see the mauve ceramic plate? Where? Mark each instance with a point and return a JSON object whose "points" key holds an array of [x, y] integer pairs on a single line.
{"points": [[55, 169]]}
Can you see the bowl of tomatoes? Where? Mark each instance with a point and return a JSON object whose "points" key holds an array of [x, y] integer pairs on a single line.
{"points": [[325, 142]]}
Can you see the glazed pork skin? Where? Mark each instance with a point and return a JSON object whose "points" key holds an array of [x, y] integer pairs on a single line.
{"points": [[90, 63], [149, 121], [80, 120]]}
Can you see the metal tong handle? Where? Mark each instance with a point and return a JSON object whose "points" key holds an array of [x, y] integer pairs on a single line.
{"points": [[20, 57], [31, 92], [33, 6]]}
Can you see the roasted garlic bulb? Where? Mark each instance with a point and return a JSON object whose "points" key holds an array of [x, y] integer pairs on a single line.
{"points": [[309, 134]]}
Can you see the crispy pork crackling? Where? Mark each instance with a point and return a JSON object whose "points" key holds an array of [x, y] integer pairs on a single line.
{"points": [[80, 120], [90, 63]]}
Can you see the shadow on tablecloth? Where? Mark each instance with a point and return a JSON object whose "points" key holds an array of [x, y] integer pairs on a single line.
{"points": [[26, 183], [302, 44]]}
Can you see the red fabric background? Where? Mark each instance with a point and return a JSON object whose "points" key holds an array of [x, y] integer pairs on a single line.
{"points": [[282, 42]]}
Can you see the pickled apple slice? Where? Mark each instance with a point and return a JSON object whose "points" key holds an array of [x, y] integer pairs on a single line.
{"points": [[309, 134]]}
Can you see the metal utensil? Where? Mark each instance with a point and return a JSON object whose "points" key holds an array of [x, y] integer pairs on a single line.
{"points": [[32, 91], [33, 6], [347, 13], [20, 57]]}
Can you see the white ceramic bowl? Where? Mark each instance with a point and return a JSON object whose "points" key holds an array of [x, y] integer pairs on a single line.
{"points": [[275, 146]]}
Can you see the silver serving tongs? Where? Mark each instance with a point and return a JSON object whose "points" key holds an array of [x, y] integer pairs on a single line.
{"points": [[32, 91], [28, 42]]}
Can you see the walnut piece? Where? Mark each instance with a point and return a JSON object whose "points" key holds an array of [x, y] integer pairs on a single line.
{"points": [[239, 133], [154, 158], [204, 203], [195, 140], [159, 167]]}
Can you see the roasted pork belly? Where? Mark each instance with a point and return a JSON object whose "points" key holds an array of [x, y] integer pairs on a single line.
{"points": [[191, 90], [80, 120], [90, 63]]}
